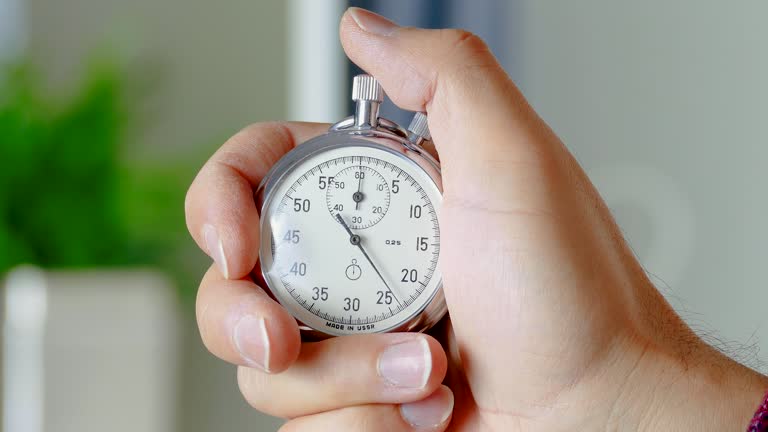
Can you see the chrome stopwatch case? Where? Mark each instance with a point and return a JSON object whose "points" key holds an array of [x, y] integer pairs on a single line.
{"points": [[350, 231]]}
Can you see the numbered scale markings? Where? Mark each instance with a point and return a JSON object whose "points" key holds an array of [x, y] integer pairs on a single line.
{"points": [[355, 241]]}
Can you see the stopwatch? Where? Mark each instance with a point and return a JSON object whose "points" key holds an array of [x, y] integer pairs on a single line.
{"points": [[350, 226]]}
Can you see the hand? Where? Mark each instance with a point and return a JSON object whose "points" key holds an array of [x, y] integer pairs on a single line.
{"points": [[556, 325], [241, 324]]}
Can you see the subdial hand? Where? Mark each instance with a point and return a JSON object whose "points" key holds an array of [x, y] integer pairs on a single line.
{"points": [[356, 241], [358, 196]]}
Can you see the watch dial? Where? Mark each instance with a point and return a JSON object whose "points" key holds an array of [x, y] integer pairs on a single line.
{"points": [[351, 240]]}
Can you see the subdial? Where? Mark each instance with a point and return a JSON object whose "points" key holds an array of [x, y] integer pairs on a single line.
{"points": [[360, 194]]}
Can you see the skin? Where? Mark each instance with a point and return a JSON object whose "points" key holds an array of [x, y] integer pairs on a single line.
{"points": [[554, 324]]}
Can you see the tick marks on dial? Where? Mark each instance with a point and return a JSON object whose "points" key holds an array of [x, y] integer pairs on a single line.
{"points": [[359, 184]]}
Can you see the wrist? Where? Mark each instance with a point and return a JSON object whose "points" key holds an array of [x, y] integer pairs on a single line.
{"points": [[695, 388]]}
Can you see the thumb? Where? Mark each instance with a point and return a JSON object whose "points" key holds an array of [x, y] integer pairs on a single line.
{"points": [[527, 243], [478, 118]]}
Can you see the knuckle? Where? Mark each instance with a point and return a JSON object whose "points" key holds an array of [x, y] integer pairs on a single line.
{"points": [[262, 143], [464, 58], [243, 138], [465, 45], [256, 128]]}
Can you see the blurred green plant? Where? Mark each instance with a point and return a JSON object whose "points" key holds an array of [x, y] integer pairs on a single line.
{"points": [[66, 199]]}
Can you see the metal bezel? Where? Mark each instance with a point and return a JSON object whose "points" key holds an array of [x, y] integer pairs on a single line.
{"points": [[389, 139]]}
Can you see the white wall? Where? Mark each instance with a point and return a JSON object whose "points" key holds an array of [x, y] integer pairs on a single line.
{"points": [[665, 104]]}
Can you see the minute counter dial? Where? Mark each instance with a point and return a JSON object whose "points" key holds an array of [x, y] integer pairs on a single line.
{"points": [[360, 192]]}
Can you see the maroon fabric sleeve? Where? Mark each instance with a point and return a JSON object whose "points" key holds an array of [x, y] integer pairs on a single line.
{"points": [[760, 421]]}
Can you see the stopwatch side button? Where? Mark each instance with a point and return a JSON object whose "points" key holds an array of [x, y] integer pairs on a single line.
{"points": [[418, 130]]}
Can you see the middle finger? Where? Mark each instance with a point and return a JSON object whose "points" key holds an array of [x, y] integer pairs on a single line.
{"points": [[346, 371]]}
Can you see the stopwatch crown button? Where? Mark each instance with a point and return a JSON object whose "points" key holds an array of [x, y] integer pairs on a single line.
{"points": [[366, 88], [419, 126]]}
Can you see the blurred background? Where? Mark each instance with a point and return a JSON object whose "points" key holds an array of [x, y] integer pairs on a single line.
{"points": [[108, 108]]}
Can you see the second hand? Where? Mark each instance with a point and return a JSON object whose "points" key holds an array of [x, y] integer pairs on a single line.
{"points": [[355, 240]]}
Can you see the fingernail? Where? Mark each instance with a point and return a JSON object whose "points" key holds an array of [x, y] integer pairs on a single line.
{"points": [[406, 364], [430, 412], [252, 341], [371, 22], [215, 248]]}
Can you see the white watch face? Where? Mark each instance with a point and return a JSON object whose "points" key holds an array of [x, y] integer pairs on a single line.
{"points": [[351, 241]]}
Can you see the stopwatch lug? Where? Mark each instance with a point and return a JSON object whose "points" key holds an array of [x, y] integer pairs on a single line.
{"points": [[343, 124], [384, 125], [392, 127]]}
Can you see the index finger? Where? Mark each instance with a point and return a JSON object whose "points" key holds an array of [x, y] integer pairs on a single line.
{"points": [[220, 210]]}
